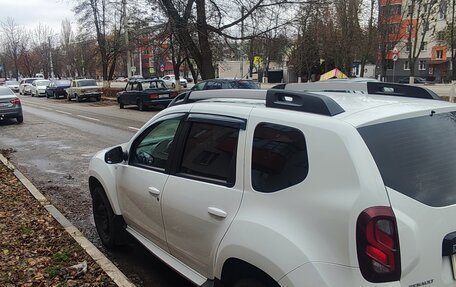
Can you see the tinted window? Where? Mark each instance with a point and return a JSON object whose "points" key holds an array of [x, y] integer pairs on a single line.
{"points": [[152, 148], [62, 83], [198, 86], [213, 85], [210, 153], [246, 85], [416, 156], [86, 83], [279, 157]]}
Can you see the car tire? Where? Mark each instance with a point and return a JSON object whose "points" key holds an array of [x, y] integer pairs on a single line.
{"points": [[109, 229], [248, 282], [77, 98], [98, 98], [173, 86], [54, 95], [31, 94], [140, 105], [20, 119], [20, 93], [121, 105]]}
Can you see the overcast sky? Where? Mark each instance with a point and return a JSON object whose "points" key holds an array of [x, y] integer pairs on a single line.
{"points": [[30, 13]]}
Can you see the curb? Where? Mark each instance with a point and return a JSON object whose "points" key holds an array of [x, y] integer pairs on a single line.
{"points": [[111, 270]]}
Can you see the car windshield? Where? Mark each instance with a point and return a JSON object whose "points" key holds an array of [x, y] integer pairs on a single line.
{"points": [[5, 92], [415, 156], [154, 85], [62, 83], [42, 83], [12, 82], [29, 81], [86, 83]]}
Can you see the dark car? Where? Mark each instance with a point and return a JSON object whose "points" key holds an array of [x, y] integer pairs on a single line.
{"points": [[10, 105], [57, 89], [145, 94], [416, 80], [216, 84]]}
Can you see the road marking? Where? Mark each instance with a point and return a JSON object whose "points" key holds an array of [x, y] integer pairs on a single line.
{"points": [[49, 109], [89, 118], [133, 128], [62, 112]]}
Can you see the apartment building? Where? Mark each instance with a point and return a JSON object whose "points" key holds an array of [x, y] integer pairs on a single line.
{"points": [[401, 20]]}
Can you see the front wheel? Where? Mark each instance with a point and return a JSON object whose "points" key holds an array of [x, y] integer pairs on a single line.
{"points": [[109, 229], [77, 98], [121, 105]]}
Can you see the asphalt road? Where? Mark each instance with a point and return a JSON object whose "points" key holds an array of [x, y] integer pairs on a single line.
{"points": [[53, 148]]}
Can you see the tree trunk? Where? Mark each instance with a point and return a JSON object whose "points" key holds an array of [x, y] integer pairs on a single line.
{"points": [[207, 69]]}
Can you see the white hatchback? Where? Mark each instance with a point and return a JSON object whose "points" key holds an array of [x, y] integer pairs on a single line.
{"points": [[289, 188], [170, 81]]}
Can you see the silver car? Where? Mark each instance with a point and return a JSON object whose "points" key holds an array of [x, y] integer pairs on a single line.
{"points": [[10, 105]]}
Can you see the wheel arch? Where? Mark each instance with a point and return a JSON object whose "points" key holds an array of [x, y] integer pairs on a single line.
{"points": [[234, 269]]}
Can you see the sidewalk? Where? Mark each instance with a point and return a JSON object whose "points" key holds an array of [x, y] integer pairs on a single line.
{"points": [[39, 247]]}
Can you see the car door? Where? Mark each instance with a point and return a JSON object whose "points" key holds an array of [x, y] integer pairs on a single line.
{"points": [[141, 181], [204, 190], [127, 95]]}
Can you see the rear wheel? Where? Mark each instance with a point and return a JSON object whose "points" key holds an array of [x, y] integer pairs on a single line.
{"points": [[77, 98], [98, 98], [109, 228], [249, 282], [20, 119], [140, 105], [121, 105]]}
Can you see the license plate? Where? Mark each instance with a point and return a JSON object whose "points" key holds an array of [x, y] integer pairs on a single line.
{"points": [[163, 96]]}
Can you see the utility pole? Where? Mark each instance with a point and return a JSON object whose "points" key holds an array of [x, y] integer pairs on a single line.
{"points": [[127, 42]]}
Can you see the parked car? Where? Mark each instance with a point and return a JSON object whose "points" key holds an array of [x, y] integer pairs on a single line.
{"points": [[170, 81], [10, 105], [217, 84], [417, 80], [57, 89], [13, 85], [83, 89], [25, 87], [38, 88], [289, 188], [145, 94]]}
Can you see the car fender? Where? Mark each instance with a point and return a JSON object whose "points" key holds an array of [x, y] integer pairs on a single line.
{"points": [[263, 254], [105, 174]]}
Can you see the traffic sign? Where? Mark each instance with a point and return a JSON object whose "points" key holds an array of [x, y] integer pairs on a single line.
{"points": [[395, 50], [133, 69], [162, 67], [395, 57]]}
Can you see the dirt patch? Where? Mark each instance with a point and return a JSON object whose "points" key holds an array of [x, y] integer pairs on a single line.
{"points": [[34, 249]]}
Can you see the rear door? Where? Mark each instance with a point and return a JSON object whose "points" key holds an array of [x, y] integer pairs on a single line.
{"points": [[204, 192], [417, 160]]}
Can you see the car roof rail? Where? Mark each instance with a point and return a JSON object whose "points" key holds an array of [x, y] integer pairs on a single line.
{"points": [[393, 89], [375, 88], [304, 102], [275, 98]]}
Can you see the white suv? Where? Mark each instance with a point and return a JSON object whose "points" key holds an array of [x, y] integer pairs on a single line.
{"points": [[290, 188]]}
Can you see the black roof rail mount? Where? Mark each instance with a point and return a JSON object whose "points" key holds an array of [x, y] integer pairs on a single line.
{"points": [[304, 102], [393, 89]]}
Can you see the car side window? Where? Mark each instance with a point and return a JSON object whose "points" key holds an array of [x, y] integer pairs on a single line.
{"points": [[213, 85], [199, 86], [210, 153], [279, 157], [139, 87], [128, 87], [151, 149]]}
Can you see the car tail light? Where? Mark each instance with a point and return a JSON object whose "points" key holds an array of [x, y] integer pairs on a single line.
{"points": [[172, 94], [153, 96], [16, 101], [377, 243]]}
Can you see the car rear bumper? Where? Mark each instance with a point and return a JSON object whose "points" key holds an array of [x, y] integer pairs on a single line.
{"points": [[160, 102], [10, 113]]}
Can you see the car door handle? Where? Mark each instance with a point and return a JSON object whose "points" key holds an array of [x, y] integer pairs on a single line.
{"points": [[217, 212], [154, 191]]}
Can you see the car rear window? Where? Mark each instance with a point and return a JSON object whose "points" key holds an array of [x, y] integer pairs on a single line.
{"points": [[247, 85], [6, 92], [416, 156]]}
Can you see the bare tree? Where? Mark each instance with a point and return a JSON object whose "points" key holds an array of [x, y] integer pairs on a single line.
{"points": [[13, 41]]}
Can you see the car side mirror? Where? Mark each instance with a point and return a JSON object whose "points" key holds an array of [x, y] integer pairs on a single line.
{"points": [[115, 155]]}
